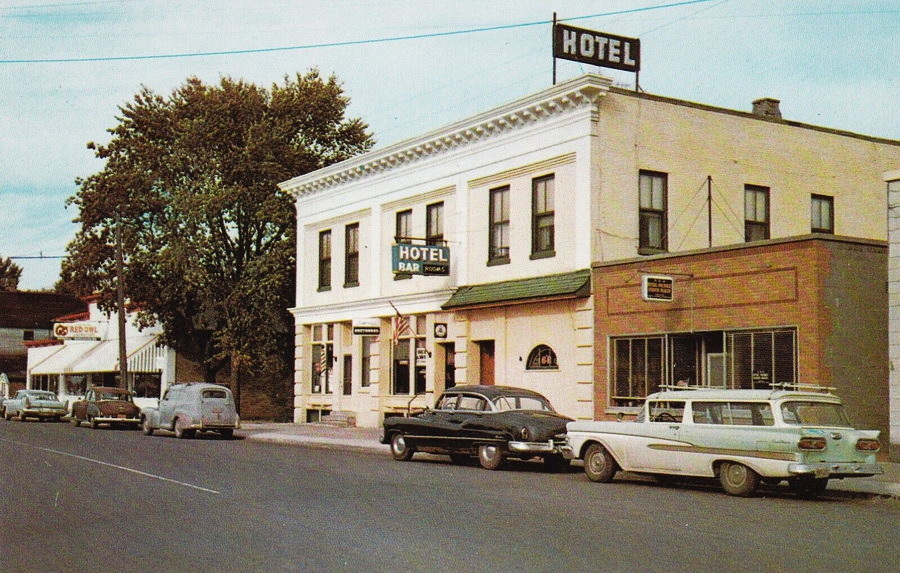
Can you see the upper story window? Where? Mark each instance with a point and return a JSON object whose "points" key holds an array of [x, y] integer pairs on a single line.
{"points": [[498, 246], [403, 229], [351, 255], [756, 213], [402, 234], [822, 214], [542, 357], [27, 335], [325, 260], [542, 217], [434, 224], [653, 191]]}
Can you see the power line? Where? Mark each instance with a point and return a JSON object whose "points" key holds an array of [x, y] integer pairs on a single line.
{"points": [[348, 42]]}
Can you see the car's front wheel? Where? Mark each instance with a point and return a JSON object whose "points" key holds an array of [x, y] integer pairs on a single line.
{"points": [[401, 451], [93, 422], [227, 433], [146, 427], [490, 456], [599, 465], [21, 415], [738, 479]]}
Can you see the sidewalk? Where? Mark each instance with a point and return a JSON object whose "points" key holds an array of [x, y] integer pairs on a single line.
{"points": [[366, 440]]}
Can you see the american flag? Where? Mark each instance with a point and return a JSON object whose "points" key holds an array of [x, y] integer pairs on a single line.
{"points": [[401, 325]]}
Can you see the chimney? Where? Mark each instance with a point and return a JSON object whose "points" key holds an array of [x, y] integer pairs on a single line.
{"points": [[767, 107]]}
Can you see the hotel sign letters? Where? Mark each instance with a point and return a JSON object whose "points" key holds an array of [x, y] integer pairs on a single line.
{"points": [[420, 259], [597, 48], [657, 288]]}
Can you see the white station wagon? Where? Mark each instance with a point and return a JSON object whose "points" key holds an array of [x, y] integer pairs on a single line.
{"points": [[741, 437]]}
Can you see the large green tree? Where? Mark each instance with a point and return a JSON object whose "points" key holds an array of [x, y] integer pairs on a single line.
{"points": [[190, 181], [10, 273]]}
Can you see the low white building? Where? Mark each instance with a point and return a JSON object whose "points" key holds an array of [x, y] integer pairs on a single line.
{"points": [[84, 352]]}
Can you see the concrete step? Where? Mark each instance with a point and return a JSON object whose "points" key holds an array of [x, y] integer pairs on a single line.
{"points": [[340, 419]]}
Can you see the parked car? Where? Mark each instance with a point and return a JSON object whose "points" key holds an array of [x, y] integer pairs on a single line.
{"points": [[106, 405], [193, 407], [741, 437], [2, 407], [40, 404], [491, 422]]}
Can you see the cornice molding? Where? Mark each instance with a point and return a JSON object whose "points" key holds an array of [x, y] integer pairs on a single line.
{"points": [[584, 91]]}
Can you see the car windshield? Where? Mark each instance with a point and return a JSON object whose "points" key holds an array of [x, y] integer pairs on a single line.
{"points": [[44, 396], [814, 414], [504, 403], [114, 396]]}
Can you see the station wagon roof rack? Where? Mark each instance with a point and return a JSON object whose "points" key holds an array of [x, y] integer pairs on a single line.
{"points": [[684, 387], [802, 387]]}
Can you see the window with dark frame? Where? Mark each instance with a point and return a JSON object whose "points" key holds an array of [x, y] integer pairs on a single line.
{"points": [[325, 260], [434, 224], [653, 198], [543, 217], [402, 234], [498, 245], [351, 255], [756, 213], [822, 214]]}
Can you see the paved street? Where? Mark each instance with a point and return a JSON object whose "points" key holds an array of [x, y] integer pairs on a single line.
{"points": [[74, 499]]}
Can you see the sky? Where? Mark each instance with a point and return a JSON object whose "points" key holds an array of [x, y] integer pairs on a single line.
{"points": [[408, 66]]}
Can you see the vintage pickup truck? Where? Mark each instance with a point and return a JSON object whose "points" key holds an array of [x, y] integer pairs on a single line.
{"points": [[741, 437]]}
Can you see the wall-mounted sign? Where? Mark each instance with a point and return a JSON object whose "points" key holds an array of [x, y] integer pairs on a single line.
{"points": [[440, 330], [659, 288], [76, 330], [366, 326], [420, 259], [597, 48]]}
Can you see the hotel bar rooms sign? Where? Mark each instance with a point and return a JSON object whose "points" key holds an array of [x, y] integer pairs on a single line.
{"points": [[596, 48]]}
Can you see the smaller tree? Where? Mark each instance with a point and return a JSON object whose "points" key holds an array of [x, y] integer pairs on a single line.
{"points": [[10, 273]]}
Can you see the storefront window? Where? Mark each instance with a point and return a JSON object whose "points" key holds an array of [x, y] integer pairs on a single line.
{"points": [[409, 363], [323, 358], [739, 359]]}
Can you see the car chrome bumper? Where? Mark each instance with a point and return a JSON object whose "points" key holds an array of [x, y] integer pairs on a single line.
{"points": [[837, 470], [114, 420], [42, 412], [548, 447]]}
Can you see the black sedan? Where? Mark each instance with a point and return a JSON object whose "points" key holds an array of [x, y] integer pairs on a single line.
{"points": [[491, 422]]}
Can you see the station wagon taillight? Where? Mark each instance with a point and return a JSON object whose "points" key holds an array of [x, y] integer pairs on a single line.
{"points": [[809, 443], [868, 445]]}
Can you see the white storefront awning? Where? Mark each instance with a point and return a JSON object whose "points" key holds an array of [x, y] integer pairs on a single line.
{"points": [[102, 356]]}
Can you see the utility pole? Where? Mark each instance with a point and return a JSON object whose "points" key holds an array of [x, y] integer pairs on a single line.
{"points": [[120, 303]]}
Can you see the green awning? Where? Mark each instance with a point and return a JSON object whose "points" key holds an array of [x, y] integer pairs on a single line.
{"points": [[566, 285]]}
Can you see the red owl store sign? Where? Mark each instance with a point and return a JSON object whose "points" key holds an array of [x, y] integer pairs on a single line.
{"points": [[76, 330]]}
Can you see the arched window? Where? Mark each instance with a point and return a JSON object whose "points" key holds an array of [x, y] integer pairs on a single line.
{"points": [[542, 357]]}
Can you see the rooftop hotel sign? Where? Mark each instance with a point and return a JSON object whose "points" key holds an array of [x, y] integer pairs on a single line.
{"points": [[420, 259], [596, 48]]}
